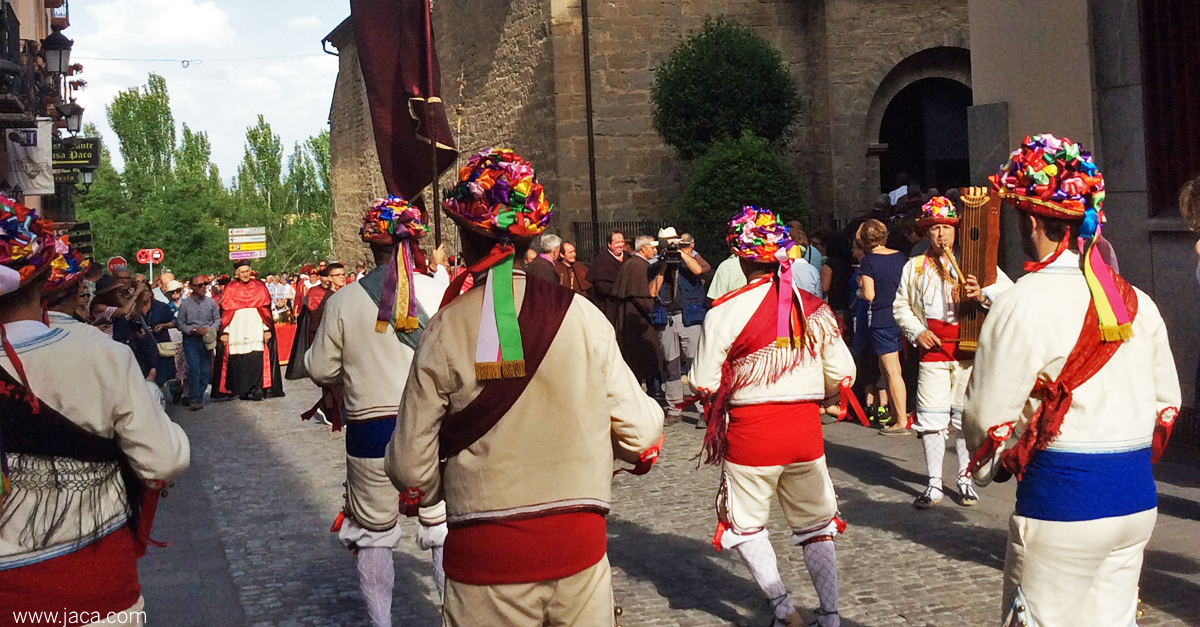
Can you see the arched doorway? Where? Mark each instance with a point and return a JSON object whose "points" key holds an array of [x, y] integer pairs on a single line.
{"points": [[925, 130]]}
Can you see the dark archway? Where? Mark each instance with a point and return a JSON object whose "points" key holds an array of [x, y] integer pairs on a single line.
{"points": [[925, 130]]}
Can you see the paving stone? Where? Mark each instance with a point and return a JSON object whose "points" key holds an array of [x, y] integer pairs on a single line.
{"points": [[250, 523]]}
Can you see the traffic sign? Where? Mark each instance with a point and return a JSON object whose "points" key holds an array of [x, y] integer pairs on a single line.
{"points": [[157, 255], [143, 256], [247, 239], [248, 243], [116, 262]]}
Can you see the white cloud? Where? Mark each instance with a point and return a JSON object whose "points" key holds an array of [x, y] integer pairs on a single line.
{"points": [[159, 24], [305, 23], [233, 82]]}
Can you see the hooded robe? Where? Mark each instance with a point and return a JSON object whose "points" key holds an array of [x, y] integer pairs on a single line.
{"points": [[637, 338]]}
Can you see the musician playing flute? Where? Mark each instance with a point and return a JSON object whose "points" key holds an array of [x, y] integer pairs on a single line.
{"points": [[1075, 361], [932, 288]]}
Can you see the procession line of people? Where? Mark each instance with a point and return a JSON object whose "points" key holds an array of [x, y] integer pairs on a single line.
{"points": [[497, 415]]}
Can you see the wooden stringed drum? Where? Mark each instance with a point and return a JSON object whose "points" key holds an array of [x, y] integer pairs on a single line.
{"points": [[979, 237]]}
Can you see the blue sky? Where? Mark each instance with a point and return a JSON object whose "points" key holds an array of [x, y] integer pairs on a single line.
{"points": [[213, 94]]}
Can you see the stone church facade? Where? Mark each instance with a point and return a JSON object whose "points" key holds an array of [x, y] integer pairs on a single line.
{"points": [[513, 75]]}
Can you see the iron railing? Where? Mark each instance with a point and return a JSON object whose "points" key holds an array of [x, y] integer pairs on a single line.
{"points": [[591, 237]]}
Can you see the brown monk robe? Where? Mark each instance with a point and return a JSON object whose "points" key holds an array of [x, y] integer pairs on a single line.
{"points": [[603, 276], [635, 289]]}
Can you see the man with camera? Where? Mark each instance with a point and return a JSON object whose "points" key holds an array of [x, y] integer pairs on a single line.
{"points": [[681, 299]]}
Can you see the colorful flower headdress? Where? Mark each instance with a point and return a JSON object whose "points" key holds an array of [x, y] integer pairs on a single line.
{"points": [[760, 236], [392, 220], [26, 250], [1057, 178], [498, 195], [67, 267], [26, 245], [939, 210]]}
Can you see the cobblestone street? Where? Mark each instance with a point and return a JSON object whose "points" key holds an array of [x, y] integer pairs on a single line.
{"points": [[249, 523]]}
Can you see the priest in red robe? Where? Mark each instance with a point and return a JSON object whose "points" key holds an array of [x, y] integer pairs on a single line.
{"points": [[249, 360]]}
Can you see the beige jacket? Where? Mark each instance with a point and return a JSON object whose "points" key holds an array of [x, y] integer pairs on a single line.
{"points": [[96, 383], [554, 448]]}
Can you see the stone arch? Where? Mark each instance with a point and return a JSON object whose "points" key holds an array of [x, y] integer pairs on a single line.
{"points": [[941, 62], [940, 55]]}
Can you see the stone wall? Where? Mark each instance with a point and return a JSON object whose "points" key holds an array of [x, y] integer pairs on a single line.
{"points": [[512, 75], [353, 160]]}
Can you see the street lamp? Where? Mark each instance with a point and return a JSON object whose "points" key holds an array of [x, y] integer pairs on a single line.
{"points": [[85, 179], [57, 50], [73, 114]]}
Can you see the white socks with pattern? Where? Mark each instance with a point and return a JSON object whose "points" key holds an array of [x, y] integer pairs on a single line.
{"points": [[439, 572], [964, 456], [820, 558], [759, 556], [376, 578], [935, 452]]}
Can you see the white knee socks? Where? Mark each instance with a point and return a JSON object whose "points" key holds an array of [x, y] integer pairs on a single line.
{"points": [[935, 451], [376, 578], [820, 559], [759, 557], [964, 456]]}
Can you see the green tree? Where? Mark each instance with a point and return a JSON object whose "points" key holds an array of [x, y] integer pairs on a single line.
{"points": [[738, 172], [294, 208], [719, 82], [145, 128]]}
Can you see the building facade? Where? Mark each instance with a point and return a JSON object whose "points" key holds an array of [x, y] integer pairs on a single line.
{"points": [[1123, 83], [939, 89], [513, 74]]}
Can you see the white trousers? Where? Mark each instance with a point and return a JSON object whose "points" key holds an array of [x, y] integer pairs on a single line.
{"points": [[941, 386], [1075, 574]]}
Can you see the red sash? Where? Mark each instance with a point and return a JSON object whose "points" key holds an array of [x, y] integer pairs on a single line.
{"points": [[100, 577], [948, 350], [1089, 355]]}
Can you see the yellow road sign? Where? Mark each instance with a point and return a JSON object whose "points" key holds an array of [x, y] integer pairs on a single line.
{"points": [[250, 246]]}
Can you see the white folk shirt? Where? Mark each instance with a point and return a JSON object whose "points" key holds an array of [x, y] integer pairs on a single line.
{"points": [[1029, 333], [923, 295], [814, 379], [347, 351], [95, 383], [555, 445]]}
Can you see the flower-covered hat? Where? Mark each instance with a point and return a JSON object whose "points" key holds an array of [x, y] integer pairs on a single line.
{"points": [[939, 210], [1053, 177], [1057, 178], [27, 245], [392, 220], [67, 267], [759, 235], [498, 195]]}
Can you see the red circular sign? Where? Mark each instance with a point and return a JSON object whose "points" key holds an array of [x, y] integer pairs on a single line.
{"points": [[116, 262], [143, 256], [156, 255]]}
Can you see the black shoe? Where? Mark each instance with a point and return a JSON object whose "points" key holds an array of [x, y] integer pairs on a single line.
{"points": [[257, 396], [967, 495], [928, 499]]}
